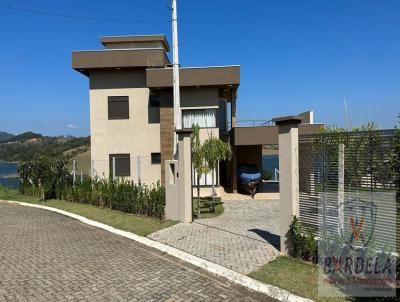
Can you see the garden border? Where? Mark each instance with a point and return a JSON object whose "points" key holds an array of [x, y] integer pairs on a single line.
{"points": [[267, 289]]}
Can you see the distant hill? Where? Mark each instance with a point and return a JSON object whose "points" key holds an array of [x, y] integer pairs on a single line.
{"points": [[21, 137], [5, 135], [29, 145]]}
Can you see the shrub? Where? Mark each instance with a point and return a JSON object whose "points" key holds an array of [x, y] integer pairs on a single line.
{"points": [[118, 194], [43, 178], [47, 179], [302, 241]]}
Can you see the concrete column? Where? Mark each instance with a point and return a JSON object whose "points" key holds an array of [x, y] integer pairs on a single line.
{"points": [[288, 174], [178, 181], [233, 109], [234, 169], [185, 175], [172, 207]]}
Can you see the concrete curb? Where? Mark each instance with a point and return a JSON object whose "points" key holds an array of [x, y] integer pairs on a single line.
{"points": [[269, 290]]}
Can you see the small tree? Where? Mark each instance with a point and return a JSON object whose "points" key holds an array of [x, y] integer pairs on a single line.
{"points": [[198, 161], [215, 150]]}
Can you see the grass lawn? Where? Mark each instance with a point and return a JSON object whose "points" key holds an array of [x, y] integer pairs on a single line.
{"points": [[124, 221], [300, 278], [205, 211]]}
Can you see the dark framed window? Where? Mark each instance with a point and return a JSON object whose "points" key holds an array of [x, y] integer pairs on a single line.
{"points": [[154, 101], [118, 107], [156, 158], [122, 165]]}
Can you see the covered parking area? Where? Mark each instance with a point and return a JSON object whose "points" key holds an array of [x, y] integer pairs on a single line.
{"points": [[249, 147]]}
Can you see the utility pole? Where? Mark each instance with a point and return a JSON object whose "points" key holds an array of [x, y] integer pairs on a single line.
{"points": [[175, 75]]}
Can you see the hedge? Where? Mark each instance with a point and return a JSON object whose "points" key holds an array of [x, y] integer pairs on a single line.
{"points": [[48, 179]]}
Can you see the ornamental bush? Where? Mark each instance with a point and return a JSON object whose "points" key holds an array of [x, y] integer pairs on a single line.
{"points": [[48, 179], [303, 244]]}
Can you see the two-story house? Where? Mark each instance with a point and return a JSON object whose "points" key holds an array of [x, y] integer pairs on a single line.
{"points": [[131, 105]]}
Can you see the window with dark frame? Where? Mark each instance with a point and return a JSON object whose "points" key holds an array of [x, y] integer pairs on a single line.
{"points": [[154, 101], [155, 158], [122, 165], [118, 107]]}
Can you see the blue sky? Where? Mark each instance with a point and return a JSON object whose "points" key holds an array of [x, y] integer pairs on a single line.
{"points": [[294, 56]]}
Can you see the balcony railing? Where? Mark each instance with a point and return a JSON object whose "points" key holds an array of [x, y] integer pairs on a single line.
{"points": [[251, 123]]}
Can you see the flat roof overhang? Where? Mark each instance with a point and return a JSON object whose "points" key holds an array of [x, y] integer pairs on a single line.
{"points": [[267, 135], [144, 38], [84, 61], [194, 76]]}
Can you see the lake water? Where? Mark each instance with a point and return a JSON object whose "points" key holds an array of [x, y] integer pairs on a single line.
{"points": [[8, 173], [8, 170], [270, 162]]}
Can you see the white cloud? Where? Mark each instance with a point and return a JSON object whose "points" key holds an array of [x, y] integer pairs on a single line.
{"points": [[72, 126]]}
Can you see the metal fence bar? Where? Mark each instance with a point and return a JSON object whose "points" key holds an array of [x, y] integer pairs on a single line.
{"points": [[349, 171]]}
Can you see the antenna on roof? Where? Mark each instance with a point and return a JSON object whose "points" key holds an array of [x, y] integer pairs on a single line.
{"points": [[175, 75], [346, 114]]}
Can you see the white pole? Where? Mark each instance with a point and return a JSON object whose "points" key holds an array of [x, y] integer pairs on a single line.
{"points": [[73, 172], [175, 74], [113, 167], [92, 169], [346, 113], [341, 189], [138, 167]]}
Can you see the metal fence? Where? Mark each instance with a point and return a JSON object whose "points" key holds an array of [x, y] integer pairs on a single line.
{"points": [[336, 168], [140, 169]]}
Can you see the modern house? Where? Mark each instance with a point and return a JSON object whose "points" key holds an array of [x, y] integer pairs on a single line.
{"points": [[131, 110], [131, 104]]}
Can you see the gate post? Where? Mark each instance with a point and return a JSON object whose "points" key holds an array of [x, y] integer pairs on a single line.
{"points": [[178, 181], [288, 174]]}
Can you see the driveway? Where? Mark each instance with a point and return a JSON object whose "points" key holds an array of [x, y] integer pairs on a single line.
{"points": [[243, 238], [45, 256]]}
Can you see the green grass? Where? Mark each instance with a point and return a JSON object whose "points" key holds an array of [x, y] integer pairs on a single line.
{"points": [[300, 278], [83, 162], [296, 276], [205, 211], [139, 225]]}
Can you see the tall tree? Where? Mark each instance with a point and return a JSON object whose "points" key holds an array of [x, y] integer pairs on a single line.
{"points": [[215, 150]]}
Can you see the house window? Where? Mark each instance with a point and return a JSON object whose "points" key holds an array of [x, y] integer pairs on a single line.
{"points": [[156, 158], [205, 118], [154, 101], [122, 165], [118, 107]]}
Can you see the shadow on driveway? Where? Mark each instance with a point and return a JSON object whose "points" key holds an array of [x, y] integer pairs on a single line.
{"points": [[272, 239]]}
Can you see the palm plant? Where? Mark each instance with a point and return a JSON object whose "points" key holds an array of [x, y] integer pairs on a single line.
{"points": [[198, 161], [215, 150]]}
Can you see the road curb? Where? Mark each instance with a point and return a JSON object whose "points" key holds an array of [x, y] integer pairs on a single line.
{"points": [[269, 290]]}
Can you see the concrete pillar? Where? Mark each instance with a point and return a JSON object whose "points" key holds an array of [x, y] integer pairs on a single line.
{"points": [[233, 108], [234, 169], [185, 175], [288, 174], [178, 181], [171, 190]]}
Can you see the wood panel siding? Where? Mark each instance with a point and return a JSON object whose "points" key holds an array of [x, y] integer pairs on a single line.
{"points": [[166, 130]]}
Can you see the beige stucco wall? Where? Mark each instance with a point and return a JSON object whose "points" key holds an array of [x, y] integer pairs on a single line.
{"points": [[135, 135]]}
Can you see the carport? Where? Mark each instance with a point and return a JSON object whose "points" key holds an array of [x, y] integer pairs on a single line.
{"points": [[247, 145]]}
